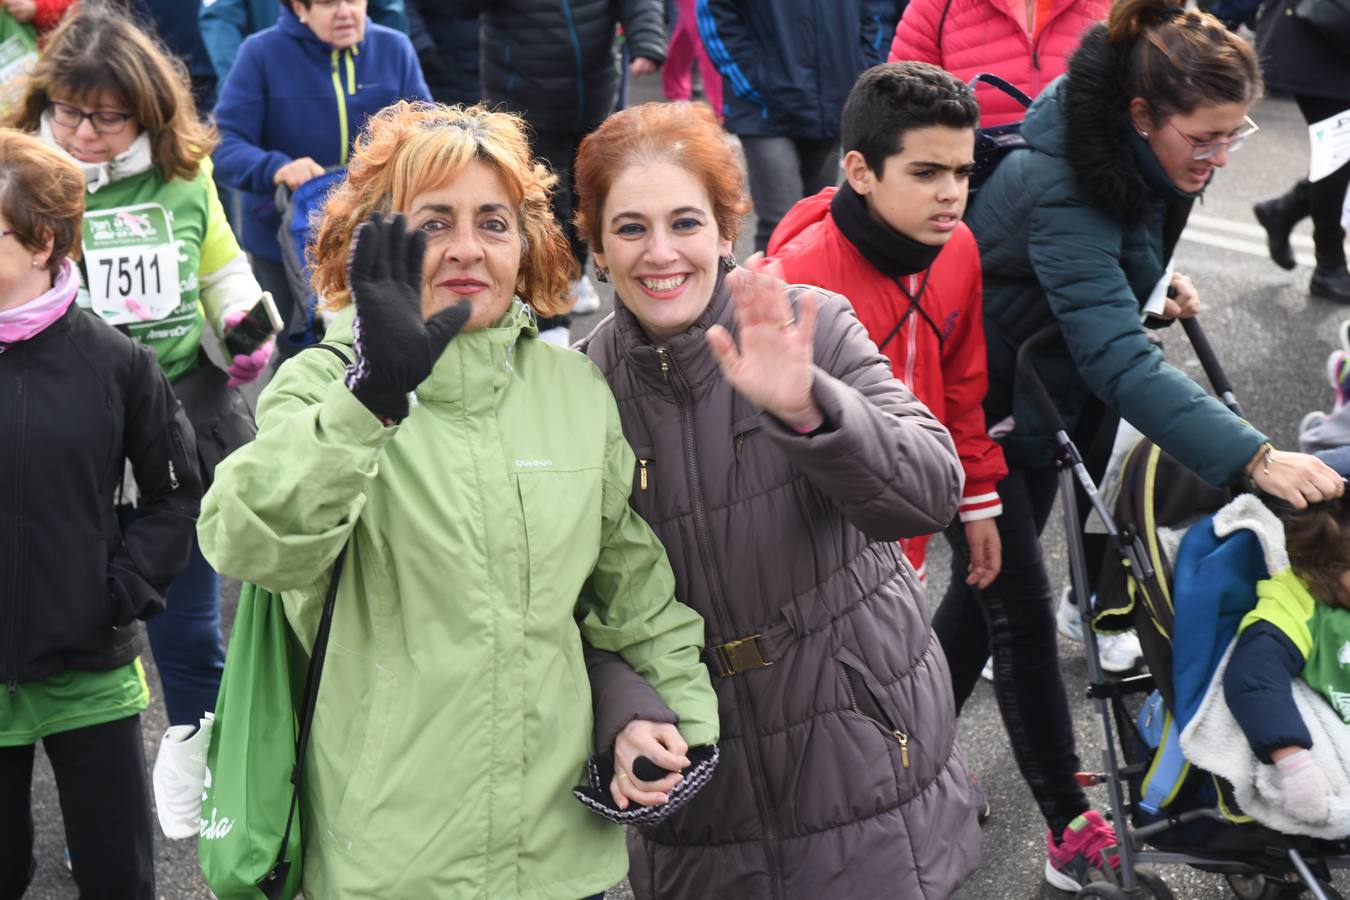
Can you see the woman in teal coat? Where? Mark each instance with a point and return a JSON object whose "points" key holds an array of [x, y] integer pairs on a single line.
{"points": [[1079, 229], [481, 487]]}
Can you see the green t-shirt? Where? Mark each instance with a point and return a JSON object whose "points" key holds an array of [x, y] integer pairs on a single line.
{"points": [[147, 243], [1320, 632], [71, 700]]}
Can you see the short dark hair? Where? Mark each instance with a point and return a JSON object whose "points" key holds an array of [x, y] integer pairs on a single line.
{"points": [[1318, 541], [894, 98]]}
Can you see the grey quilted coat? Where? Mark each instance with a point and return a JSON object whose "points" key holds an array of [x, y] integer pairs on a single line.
{"points": [[840, 776]]}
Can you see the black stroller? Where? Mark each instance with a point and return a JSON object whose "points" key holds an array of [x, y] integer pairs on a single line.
{"points": [[1201, 826]]}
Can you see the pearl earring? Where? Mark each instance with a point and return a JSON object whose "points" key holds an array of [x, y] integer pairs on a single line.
{"points": [[1144, 135]]}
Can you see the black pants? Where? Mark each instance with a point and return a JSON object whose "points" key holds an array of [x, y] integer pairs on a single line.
{"points": [[1014, 621], [1327, 197], [105, 802], [559, 150]]}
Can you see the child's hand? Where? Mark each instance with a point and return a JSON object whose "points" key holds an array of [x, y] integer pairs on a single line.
{"points": [[1305, 787]]}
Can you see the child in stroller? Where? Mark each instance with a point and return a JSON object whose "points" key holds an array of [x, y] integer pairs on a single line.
{"points": [[1300, 628]]}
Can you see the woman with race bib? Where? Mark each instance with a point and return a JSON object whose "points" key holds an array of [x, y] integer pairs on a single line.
{"points": [[160, 263]]}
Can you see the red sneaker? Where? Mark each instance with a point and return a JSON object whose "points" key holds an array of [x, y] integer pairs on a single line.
{"points": [[1085, 853]]}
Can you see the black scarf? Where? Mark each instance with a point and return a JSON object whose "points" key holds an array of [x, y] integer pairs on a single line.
{"points": [[891, 252]]}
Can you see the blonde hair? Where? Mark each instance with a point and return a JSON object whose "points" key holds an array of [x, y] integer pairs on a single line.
{"points": [[408, 149], [98, 49], [41, 196]]}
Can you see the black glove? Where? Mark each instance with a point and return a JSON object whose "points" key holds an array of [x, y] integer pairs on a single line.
{"points": [[395, 349], [600, 769]]}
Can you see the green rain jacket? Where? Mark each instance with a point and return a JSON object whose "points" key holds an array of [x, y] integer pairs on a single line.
{"points": [[488, 533]]}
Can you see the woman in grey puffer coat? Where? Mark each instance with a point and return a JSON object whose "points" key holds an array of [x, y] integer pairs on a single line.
{"points": [[779, 477]]}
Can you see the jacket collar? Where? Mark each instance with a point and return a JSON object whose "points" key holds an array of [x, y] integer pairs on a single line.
{"points": [[475, 367], [293, 27], [687, 351], [1083, 117]]}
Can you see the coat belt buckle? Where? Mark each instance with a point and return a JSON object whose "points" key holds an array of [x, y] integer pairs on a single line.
{"points": [[741, 655]]}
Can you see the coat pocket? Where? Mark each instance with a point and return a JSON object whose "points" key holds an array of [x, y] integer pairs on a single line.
{"points": [[867, 699]]}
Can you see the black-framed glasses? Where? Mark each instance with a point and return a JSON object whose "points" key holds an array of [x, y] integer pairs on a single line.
{"points": [[104, 121], [1207, 149]]}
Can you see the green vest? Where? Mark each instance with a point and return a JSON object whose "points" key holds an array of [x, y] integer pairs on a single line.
{"points": [[142, 251], [1320, 632]]}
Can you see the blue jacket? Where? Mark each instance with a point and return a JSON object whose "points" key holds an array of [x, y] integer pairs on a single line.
{"points": [[787, 65], [225, 24], [278, 104]]}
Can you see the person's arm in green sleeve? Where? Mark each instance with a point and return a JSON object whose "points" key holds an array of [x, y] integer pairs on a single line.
{"points": [[629, 607], [227, 281], [284, 505]]}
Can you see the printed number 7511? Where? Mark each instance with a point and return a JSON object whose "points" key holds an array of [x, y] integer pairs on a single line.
{"points": [[132, 274]]}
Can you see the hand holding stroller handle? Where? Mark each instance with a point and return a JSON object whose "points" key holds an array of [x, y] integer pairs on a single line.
{"points": [[1026, 369]]}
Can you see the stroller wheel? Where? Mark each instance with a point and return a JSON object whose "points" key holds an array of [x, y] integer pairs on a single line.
{"points": [[1151, 885], [1260, 887]]}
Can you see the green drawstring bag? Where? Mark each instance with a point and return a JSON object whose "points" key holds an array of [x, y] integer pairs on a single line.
{"points": [[250, 844], [18, 53]]}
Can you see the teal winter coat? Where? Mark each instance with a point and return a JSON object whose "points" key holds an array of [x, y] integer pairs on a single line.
{"points": [[1079, 229]]}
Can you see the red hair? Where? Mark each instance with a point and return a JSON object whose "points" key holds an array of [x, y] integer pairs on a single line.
{"points": [[684, 134]]}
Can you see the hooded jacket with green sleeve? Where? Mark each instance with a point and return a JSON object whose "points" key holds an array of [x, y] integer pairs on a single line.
{"points": [[487, 534]]}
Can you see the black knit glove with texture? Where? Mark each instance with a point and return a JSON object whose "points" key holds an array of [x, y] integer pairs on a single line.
{"points": [[395, 349]]}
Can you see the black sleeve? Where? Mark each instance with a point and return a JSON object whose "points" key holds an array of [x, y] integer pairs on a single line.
{"points": [[644, 27], [158, 440], [620, 695], [1258, 686]]}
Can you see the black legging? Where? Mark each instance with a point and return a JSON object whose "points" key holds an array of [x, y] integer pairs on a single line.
{"points": [[1014, 620], [1327, 197]]}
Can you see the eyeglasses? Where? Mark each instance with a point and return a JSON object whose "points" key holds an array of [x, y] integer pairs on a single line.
{"points": [[104, 121], [6, 232], [1207, 149]]}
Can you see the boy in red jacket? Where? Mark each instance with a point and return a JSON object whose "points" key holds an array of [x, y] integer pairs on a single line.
{"points": [[891, 240]]}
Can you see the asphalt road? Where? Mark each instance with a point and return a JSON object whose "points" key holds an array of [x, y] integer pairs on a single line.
{"points": [[1273, 340]]}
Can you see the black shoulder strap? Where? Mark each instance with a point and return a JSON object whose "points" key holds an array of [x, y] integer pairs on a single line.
{"points": [[942, 22], [274, 882], [333, 349]]}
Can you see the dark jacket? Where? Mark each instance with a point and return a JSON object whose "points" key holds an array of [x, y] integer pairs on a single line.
{"points": [[1296, 59], [446, 41], [225, 24], [177, 25], [1259, 688], [787, 65], [281, 102], [78, 399], [840, 775], [1078, 229], [556, 62]]}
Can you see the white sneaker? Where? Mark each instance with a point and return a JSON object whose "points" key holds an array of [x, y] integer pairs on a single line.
{"points": [[178, 777], [588, 301], [987, 673], [1117, 652], [1066, 617], [558, 336]]}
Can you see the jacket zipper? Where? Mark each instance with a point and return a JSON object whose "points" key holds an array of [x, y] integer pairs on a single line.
{"points": [[901, 737], [911, 339], [16, 555], [757, 780], [341, 102]]}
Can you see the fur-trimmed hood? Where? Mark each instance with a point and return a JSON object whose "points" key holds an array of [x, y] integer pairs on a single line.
{"points": [[1084, 118]]}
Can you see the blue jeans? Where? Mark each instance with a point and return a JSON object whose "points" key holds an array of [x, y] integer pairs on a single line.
{"points": [[187, 643]]}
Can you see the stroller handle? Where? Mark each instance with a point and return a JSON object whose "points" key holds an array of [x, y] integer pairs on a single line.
{"points": [[1204, 352]]}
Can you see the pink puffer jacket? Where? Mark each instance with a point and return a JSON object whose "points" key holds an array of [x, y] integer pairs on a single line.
{"points": [[985, 36]]}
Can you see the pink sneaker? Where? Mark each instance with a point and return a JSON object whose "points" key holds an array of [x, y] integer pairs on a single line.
{"points": [[1083, 853]]}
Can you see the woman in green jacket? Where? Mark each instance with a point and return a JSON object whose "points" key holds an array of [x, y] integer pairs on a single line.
{"points": [[481, 487], [1079, 229]]}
